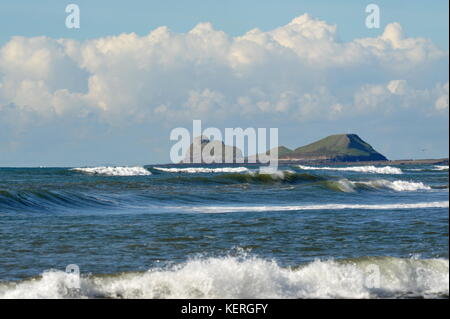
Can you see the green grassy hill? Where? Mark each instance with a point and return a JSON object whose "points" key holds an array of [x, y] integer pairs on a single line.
{"points": [[284, 151], [340, 147]]}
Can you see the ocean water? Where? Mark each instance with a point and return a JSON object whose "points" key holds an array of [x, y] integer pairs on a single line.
{"points": [[225, 232]]}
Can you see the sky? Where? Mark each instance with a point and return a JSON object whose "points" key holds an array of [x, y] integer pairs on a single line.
{"points": [[110, 92]]}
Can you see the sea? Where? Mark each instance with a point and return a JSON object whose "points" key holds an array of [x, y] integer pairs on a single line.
{"points": [[218, 231]]}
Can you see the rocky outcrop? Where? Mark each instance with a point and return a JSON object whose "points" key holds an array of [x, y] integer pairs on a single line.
{"points": [[340, 148], [334, 148], [212, 152]]}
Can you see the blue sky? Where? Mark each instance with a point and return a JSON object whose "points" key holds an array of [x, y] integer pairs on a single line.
{"points": [[101, 17], [311, 68]]}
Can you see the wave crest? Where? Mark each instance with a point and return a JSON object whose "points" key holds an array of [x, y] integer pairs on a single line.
{"points": [[45, 199], [114, 171], [361, 169], [398, 186], [347, 186], [252, 277], [271, 176], [287, 208], [193, 170]]}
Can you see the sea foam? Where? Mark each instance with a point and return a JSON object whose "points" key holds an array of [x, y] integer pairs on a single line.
{"points": [[193, 170], [253, 277], [360, 169], [399, 185], [335, 207], [114, 171]]}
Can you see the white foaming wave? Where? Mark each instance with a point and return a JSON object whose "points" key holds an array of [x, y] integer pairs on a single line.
{"points": [[441, 167], [253, 277], [283, 208], [114, 171], [360, 169], [348, 186], [398, 186], [193, 170]]}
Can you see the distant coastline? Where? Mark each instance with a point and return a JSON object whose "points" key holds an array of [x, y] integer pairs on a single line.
{"points": [[438, 161]]}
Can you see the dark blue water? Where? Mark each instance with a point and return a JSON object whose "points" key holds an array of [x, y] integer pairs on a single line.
{"points": [[233, 232]]}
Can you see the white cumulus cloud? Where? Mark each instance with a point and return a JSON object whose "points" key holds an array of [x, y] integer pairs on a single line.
{"points": [[297, 69], [295, 73]]}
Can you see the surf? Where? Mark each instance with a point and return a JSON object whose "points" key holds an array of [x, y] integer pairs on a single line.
{"points": [[247, 276], [114, 171], [194, 170], [360, 169], [297, 208]]}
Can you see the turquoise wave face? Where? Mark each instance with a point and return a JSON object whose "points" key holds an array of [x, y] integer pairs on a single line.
{"points": [[116, 223]]}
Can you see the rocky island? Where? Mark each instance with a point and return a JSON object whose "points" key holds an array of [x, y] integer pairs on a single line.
{"points": [[334, 149], [210, 152]]}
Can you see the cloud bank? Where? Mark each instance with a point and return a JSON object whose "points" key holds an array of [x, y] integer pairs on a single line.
{"points": [[297, 73]]}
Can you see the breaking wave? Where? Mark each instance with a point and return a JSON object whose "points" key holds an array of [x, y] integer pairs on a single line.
{"points": [[246, 277], [399, 186], [114, 171], [360, 169], [250, 176], [45, 200], [342, 185], [270, 177], [193, 170], [283, 208]]}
